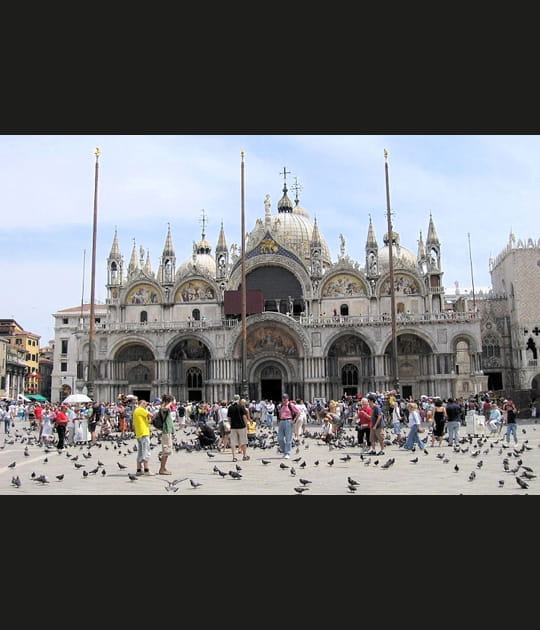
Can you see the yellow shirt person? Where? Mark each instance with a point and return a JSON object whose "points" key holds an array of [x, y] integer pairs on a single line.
{"points": [[141, 420]]}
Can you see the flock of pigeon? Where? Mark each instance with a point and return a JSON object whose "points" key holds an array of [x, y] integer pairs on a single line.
{"points": [[314, 467]]}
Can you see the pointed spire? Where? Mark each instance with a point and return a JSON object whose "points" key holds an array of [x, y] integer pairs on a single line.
{"points": [[285, 204], [134, 262], [168, 249], [371, 241], [147, 264], [316, 235], [421, 255], [222, 243], [432, 238], [115, 248]]}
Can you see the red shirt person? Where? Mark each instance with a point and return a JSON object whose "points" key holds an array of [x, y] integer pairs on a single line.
{"points": [[60, 422]]}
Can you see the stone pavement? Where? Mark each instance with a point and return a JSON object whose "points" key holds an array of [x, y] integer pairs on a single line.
{"points": [[440, 471]]}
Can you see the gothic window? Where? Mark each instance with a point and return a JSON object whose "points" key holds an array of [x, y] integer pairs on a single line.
{"points": [[344, 310], [194, 378], [196, 314], [349, 375], [490, 348], [143, 317], [531, 349]]}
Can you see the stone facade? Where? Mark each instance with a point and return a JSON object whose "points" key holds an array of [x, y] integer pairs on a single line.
{"points": [[323, 331]]}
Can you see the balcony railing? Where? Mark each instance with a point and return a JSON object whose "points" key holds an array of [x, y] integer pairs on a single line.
{"points": [[308, 321]]}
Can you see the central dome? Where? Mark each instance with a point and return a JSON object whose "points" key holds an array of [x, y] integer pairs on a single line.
{"points": [[292, 228]]}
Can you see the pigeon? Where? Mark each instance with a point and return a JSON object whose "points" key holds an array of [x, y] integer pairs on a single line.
{"points": [[194, 484], [352, 488], [42, 479], [304, 482], [522, 483], [103, 472], [121, 466], [236, 475], [283, 466], [480, 463], [265, 461], [316, 462], [352, 482], [303, 464], [238, 467], [300, 489], [78, 465], [472, 476], [297, 459], [210, 454], [94, 470], [527, 474], [501, 483], [414, 461], [85, 474], [132, 477], [456, 468], [60, 477], [346, 458], [12, 465], [331, 462], [16, 481], [222, 473], [388, 463]]}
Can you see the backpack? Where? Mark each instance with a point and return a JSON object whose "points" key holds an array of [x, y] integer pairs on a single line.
{"points": [[158, 420]]}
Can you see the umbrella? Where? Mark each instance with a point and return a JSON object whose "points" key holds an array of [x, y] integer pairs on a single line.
{"points": [[76, 398]]}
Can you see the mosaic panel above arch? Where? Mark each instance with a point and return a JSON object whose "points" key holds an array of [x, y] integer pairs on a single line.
{"points": [[195, 291], [403, 285], [343, 285], [270, 338], [143, 294]]}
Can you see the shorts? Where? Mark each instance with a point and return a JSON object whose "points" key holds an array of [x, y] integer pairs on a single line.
{"points": [[166, 443], [143, 449], [238, 437]]}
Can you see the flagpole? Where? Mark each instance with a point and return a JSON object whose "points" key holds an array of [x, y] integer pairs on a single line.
{"points": [[245, 391], [395, 367], [472, 276], [92, 323]]}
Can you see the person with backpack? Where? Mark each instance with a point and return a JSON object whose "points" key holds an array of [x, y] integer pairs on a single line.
{"points": [[287, 413], [378, 424], [167, 432]]}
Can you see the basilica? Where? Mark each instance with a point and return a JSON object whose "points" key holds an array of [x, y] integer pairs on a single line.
{"points": [[305, 324]]}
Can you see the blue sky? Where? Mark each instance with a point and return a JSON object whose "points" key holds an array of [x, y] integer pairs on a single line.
{"points": [[484, 186]]}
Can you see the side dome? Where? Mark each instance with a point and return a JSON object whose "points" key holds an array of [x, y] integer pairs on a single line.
{"points": [[401, 256], [201, 261]]}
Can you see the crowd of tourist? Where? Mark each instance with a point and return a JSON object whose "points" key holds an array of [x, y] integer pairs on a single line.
{"points": [[67, 424]]}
